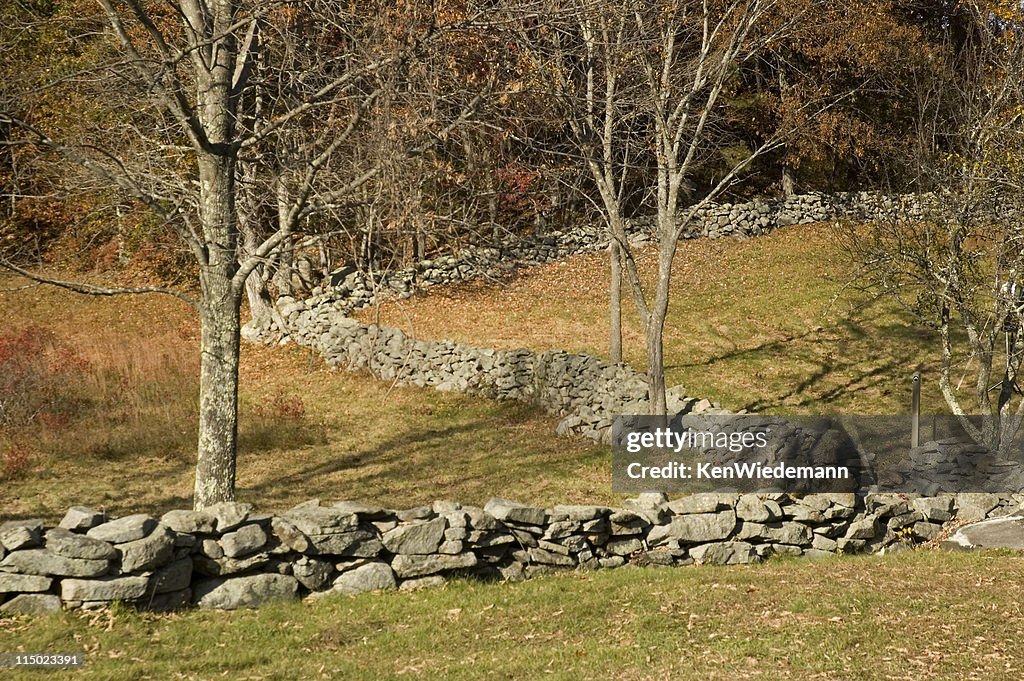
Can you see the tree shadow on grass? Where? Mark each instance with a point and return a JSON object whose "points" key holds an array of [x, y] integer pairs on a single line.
{"points": [[869, 352]]}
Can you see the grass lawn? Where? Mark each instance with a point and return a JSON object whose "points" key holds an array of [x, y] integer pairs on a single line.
{"points": [[769, 324], [923, 615]]}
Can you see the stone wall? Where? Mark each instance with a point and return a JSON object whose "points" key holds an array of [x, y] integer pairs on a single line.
{"points": [[350, 290], [231, 556], [586, 391]]}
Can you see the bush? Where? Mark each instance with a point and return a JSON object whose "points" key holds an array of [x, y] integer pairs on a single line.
{"points": [[38, 379]]}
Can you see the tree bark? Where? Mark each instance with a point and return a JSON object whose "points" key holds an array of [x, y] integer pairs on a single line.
{"points": [[615, 303], [218, 391], [220, 328]]}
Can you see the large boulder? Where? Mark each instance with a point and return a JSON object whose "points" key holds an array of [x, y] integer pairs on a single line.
{"points": [[996, 533]]}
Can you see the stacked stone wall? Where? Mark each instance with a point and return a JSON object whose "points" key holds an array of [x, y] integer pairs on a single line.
{"points": [[231, 556]]}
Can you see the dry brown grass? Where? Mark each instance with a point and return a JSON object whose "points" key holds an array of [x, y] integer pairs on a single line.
{"points": [[352, 438], [767, 323]]}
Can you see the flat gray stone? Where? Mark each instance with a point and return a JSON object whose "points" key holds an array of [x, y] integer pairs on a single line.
{"points": [[865, 528], [995, 533], [189, 522], [415, 538], [362, 510], [705, 502], [724, 553], [312, 573], [289, 535], [319, 520], [582, 513], [250, 591], [227, 515], [934, 509], [129, 528], [176, 576], [697, 528], [21, 534], [82, 519], [43, 562], [32, 604], [147, 553], [66, 543], [369, 577], [511, 511], [974, 506], [419, 566], [752, 508], [221, 567], [244, 541], [421, 583], [106, 589], [11, 583]]}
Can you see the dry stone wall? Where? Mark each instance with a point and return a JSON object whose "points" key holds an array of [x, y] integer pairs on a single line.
{"points": [[351, 289], [586, 391], [231, 556]]}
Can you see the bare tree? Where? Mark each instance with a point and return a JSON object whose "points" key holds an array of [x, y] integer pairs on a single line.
{"points": [[234, 107], [642, 86], [956, 260]]}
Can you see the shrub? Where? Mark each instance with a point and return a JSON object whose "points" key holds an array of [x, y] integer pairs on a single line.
{"points": [[38, 377]]}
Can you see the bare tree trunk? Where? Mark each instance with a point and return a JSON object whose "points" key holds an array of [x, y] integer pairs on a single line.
{"points": [[218, 390], [788, 182], [656, 331], [615, 303], [220, 328]]}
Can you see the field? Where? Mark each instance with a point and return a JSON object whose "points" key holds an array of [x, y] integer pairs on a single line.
{"points": [[766, 324], [771, 324]]}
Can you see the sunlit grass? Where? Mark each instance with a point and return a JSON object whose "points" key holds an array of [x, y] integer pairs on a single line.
{"points": [[927, 615]]}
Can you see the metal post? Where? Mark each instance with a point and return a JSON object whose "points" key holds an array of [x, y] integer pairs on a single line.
{"points": [[915, 411]]}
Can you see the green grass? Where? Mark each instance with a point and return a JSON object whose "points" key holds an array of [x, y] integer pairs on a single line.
{"points": [[925, 615]]}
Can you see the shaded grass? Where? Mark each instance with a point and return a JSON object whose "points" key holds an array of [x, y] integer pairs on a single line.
{"points": [[767, 324], [924, 615]]}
